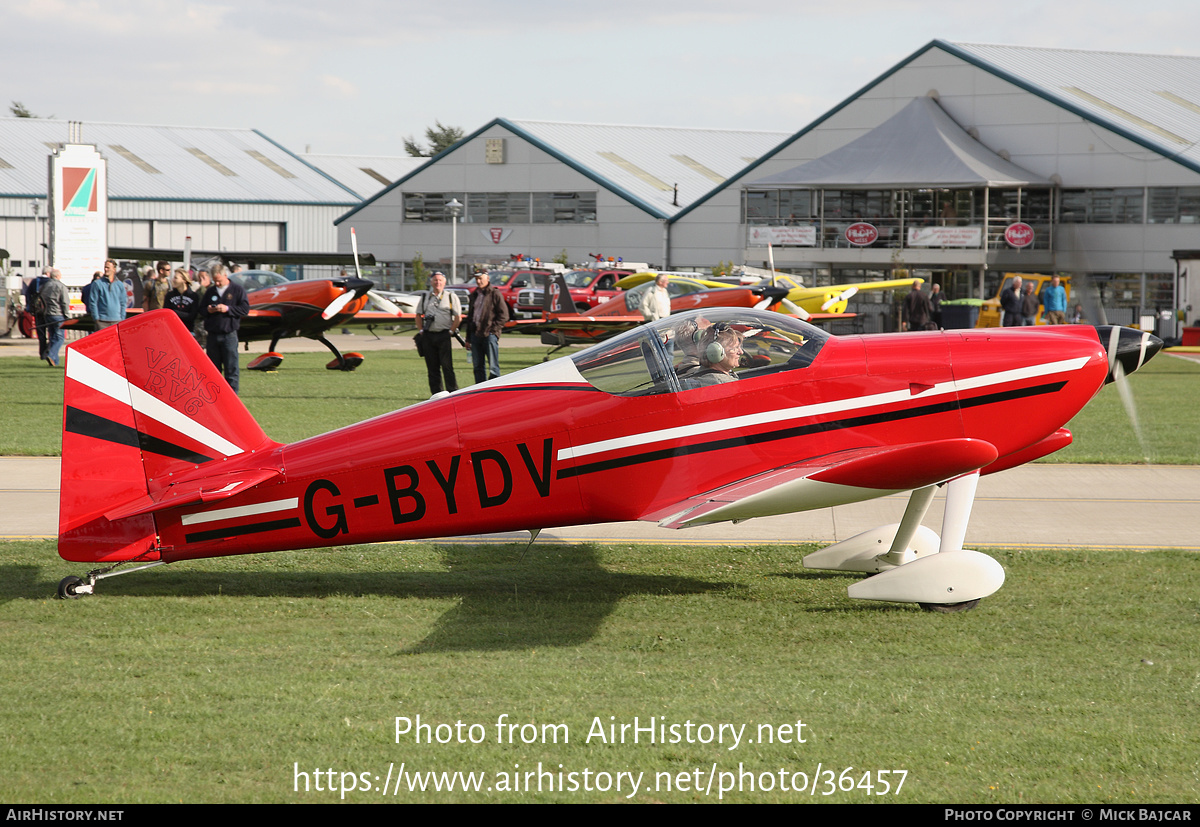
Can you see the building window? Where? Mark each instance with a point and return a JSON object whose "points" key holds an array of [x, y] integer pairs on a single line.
{"points": [[429, 207], [1175, 205], [497, 208], [1118, 205], [503, 207], [564, 208]]}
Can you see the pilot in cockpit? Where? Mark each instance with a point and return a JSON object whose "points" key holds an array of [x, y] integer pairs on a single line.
{"points": [[720, 354]]}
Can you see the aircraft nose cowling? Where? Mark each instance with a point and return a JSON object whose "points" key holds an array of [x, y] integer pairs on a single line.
{"points": [[1127, 348], [358, 287]]}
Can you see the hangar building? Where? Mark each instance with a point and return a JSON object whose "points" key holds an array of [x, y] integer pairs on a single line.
{"points": [[1095, 152], [541, 188], [965, 160], [229, 189]]}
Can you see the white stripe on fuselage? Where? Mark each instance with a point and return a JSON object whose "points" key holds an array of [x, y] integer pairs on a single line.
{"points": [[88, 371], [239, 511], [821, 409]]}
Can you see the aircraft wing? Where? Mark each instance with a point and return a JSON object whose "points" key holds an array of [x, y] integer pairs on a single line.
{"points": [[830, 480], [833, 299], [630, 282]]}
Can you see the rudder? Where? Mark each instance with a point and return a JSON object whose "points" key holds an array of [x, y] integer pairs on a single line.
{"points": [[142, 406]]}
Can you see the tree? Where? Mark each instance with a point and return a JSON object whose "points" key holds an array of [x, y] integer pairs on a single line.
{"points": [[18, 110], [439, 137]]}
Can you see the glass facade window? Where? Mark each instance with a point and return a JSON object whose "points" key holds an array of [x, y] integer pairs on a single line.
{"points": [[429, 207], [1119, 205], [497, 208], [1174, 205], [503, 207], [564, 208], [779, 207]]}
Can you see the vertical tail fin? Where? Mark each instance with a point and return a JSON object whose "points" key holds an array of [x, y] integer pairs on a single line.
{"points": [[556, 300], [142, 405]]}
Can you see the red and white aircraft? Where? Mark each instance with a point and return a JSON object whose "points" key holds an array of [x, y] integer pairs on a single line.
{"points": [[162, 463]]}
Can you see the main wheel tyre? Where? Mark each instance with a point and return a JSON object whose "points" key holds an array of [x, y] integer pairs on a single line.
{"points": [[66, 588], [950, 608]]}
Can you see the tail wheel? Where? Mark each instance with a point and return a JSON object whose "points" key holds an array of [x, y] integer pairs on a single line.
{"points": [[67, 586]]}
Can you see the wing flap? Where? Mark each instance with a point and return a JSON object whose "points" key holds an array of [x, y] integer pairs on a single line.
{"points": [[835, 479]]}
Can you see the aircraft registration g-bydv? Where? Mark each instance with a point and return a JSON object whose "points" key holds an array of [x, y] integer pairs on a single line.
{"points": [[162, 463]]}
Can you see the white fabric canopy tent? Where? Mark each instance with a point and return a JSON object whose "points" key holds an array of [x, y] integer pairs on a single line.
{"points": [[920, 147]]}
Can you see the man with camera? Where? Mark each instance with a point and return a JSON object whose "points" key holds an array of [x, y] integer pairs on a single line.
{"points": [[438, 317]]}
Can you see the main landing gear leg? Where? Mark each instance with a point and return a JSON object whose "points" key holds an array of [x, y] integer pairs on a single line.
{"points": [[348, 362], [960, 499]]}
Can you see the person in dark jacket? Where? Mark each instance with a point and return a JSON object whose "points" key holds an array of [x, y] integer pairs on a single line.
{"points": [[1029, 305], [224, 304], [1012, 304], [916, 310], [486, 315], [182, 299], [55, 305]]}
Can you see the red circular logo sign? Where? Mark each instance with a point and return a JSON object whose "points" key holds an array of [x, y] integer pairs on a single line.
{"points": [[1019, 234], [862, 234]]}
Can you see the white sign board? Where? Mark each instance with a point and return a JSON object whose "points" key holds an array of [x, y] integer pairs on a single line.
{"points": [[944, 236], [78, 212], [804, 236]]}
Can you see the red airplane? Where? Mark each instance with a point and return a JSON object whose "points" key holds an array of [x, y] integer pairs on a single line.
{"points": [[162, 463]]}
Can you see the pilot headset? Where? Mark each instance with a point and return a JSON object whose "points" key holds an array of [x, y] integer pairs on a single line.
{"points": [[714, 351]]}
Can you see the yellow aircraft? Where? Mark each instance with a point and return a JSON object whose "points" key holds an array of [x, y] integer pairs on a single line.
{"points": [[830, 299]]}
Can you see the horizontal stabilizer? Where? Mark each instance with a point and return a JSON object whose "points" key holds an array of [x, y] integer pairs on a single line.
{"points": [[835, 479], [206, 490]]}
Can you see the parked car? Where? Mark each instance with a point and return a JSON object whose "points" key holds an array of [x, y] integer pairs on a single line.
{"points": [[589, 288]]}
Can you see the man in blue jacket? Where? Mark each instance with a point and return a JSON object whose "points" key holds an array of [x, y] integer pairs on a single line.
{"points": [[223, 306], [107, 298], [1054, 300]]}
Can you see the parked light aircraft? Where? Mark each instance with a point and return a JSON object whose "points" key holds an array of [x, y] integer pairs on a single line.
{"points": [[162, 463], [832, 299]]}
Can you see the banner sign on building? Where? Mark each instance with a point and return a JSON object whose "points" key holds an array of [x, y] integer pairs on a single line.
{"points": [[78, 212], [803, 236], [945, 236], [496, 234]]}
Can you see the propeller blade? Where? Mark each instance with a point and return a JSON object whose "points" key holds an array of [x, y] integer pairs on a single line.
{"points": [[845, 295], [337, 304], [795, 309]]}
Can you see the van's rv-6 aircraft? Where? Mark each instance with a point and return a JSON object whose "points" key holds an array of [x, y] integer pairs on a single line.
{"points": [[162, 463]]}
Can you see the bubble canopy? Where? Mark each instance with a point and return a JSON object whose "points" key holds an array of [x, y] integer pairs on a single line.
{"points": [[667, 356]]}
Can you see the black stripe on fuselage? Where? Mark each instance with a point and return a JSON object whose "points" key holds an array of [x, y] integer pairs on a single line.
{"points": [[89, 424], [804, 430], [239, 530]]}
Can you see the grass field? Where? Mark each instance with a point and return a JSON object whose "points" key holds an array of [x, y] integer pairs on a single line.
{"points": [[304, 399], [216, 681]]}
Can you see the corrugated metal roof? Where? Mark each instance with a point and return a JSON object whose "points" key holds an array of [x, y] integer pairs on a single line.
{"points": [[1154, 99], [365, 174], [170, 163], [647, 162]]}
